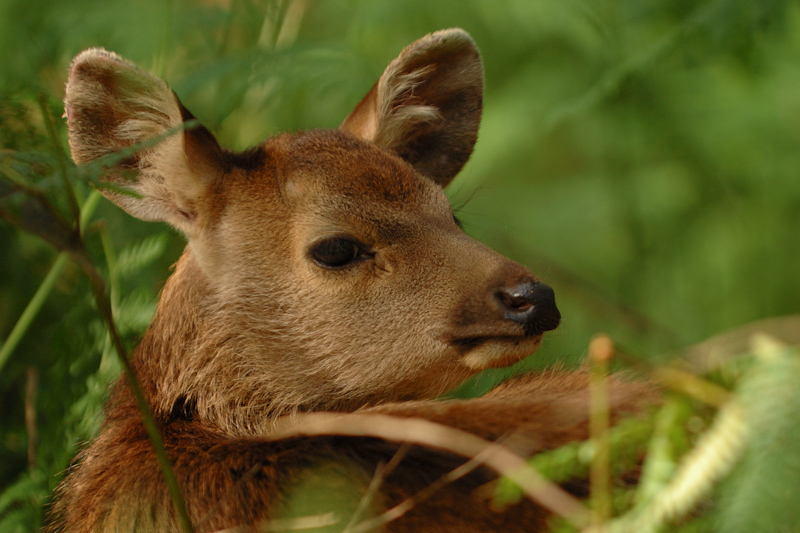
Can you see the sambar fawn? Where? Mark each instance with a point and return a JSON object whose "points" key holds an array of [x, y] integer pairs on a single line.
{"points": [[324, 271]]}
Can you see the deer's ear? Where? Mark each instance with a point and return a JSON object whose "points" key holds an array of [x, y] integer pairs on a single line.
{"points": [[427, 105], [112, 105]]}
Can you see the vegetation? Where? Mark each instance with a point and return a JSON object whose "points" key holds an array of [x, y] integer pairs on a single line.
{"points": [[641, 156]]}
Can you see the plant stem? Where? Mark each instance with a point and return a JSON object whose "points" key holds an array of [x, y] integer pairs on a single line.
{"points": [[32, 309], [61, 159], [104, 308], [44, 290], [601, 350], [31, 388]]}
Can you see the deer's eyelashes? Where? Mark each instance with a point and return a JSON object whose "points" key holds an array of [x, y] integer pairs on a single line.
{"points": [[334, 253]]}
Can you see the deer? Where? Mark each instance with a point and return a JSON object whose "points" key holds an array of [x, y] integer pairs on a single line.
{"points": [[324, 274]]}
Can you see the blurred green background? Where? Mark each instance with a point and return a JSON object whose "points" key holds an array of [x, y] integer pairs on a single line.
{"points": [[641, 156]]}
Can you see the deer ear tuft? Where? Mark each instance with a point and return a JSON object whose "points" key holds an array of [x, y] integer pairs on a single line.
{"points": [[427, 105]]}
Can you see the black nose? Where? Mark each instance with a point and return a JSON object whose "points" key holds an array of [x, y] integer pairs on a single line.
{"points": [[531, 304]]}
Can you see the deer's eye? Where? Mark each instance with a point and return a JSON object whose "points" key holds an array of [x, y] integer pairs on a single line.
{"points": [[335, 252]]}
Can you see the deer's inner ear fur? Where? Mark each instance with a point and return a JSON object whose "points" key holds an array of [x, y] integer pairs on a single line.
{"points": [[112, 105], [427, 105]]}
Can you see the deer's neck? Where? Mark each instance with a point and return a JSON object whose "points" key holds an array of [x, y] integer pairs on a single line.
{"points": [[204, 359], [169, 348]]}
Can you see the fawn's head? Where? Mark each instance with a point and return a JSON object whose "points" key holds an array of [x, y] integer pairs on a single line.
{"points": [[325, 269]]}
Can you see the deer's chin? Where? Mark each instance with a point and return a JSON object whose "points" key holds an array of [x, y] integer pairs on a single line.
{"points": [[498, 352]]}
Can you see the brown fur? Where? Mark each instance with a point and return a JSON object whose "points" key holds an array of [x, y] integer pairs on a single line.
{"points": [[250, 330]]}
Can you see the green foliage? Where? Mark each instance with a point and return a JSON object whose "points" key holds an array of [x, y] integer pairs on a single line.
{"points": [[326, 495], [572, 461], [640, 156], [762, 495]]}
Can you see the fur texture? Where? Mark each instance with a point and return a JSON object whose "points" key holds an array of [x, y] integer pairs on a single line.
{"points": [[253, 327]]}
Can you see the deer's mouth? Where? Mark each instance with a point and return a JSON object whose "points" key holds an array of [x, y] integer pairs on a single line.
{"points": [[495, 351]]}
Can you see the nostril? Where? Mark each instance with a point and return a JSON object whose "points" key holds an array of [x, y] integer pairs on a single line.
{"points": [[519, 298], [531, 304], [516, 302]]}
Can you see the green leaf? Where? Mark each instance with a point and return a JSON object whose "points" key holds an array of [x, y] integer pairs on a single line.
{"points": [[762, 496], [136, 311], [29, 486], [136, 256]]}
